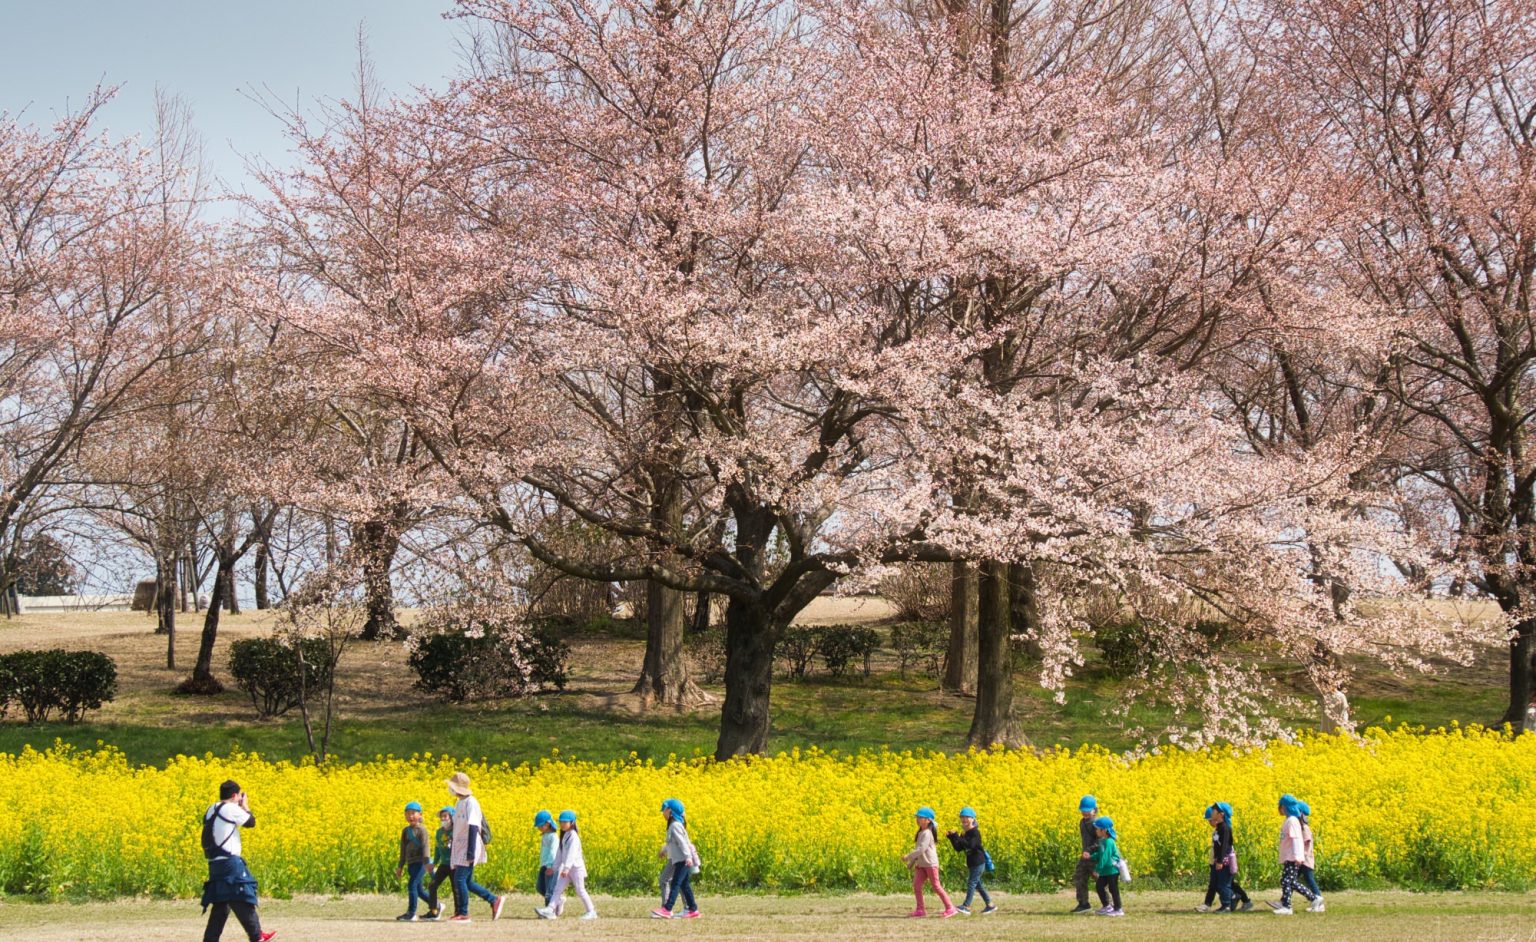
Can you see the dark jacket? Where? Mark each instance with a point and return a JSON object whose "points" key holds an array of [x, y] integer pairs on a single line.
{"points": [[229, 881], [1221, 844], [1089, 835], [969, 843], [413, 845]]}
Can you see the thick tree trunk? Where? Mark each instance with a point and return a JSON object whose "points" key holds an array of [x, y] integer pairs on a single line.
{"points": [[202, 680], [1522, 649], [749, 640], [993, 722], [263, 600], [1024, 609], [231, 597], [960, 657], [378, 542], [701, 603], [664, 676]]}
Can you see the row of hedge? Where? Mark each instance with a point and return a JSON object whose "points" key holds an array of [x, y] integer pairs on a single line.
{"points": [[42, 684]]}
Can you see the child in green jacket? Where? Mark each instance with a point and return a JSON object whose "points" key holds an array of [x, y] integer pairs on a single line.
{"points": [[1106, 866]]}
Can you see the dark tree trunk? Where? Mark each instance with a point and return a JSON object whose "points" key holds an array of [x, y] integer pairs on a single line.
{"points": [[378, 542], [960, 656], [1522, 649], [165, 607], [664, 679], [263, 600], [993, 722], [202, 680], [749, 640], [1024, 608], [701, 603]]}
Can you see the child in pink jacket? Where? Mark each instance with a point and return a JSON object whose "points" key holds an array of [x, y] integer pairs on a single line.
{"points": [[1293, 855], [924, 861]]}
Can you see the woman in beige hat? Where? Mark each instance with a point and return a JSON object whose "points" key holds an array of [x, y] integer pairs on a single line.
{"points": [[468, 850]]}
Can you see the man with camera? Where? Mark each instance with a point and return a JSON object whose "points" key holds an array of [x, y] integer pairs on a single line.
{"points": [[230, 883]]}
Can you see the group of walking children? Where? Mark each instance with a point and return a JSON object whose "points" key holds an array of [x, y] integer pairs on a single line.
{"points": [[1099, 861], [1297, 861], [458, 847], [923, 860]]}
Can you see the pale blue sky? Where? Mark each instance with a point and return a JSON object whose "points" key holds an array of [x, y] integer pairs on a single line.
{"points": [[214, 54]]}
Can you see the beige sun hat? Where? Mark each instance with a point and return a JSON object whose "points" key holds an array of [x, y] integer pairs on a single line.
{"points": [[459, 784]]}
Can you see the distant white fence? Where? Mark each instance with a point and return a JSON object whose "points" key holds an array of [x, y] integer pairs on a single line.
{"points": [[35, 604]]}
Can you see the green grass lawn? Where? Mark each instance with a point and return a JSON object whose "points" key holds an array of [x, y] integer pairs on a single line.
{"points": [[1151, 917], [594, 719]]}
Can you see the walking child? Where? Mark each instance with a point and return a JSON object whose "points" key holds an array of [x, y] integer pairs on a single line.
{"points": [[571, 870], [968, 842], [549, 843], [469, 840], [1293, 853], [1106, 867], [1309, 865], [1223, 863], [924, 861], [1087, 810], [683, 860], [442, 861], [413, 859]]}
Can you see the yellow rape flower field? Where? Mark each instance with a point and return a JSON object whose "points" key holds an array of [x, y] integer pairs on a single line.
{"points": [[1441, 810]]}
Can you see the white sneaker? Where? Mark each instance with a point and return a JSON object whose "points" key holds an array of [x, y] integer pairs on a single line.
{"points": [[1282, 910], [544, 912], [1202, 908], [1115, 912], [589, 914], [1103, 910], [1317, 906]]}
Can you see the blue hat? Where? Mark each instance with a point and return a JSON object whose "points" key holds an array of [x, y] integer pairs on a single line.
{"points": [[1288, 804], [926, 812], [448, 809], [413, 806], [1221, 806], [567, 817], [1304, 808], [674, 806], [1089, 803], [1105, 822], [542, 818], [968, 812]]}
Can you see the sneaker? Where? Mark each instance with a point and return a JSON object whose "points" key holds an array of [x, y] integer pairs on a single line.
{"points": [[951, 911], [1103, 910], [434, 915], [496, 908], [545, 912], [1203, 908], [1317, 906], [916, 914], [989, 910], [1282, 910], [589, 914], [1081, 909], [690, 914], [1115, 912], [1247, 906], [459, 919], [661, 912], [405, 917], [963, 910], [267, 936]]}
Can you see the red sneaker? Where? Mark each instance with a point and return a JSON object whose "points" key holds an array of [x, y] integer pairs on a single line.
{"points": [[267, 935], [916, 914], [496, 908], [458, 919], [691, 914], [661, 912]]}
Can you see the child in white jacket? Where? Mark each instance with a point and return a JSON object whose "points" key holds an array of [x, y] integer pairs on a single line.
{"points": [[682, 859], [570, 869]]}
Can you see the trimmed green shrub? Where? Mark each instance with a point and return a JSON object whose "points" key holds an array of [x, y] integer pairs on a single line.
{"points": [[920, 644], [841, 645], [797, 647], [268, 670], [472, 658], [69, 682]]}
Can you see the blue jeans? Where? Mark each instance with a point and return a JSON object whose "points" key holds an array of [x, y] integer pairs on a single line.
{"points": [[544, 884], [1221, 878], [973, 886], [1309, 877], [463, 885], [414, 889], [682, 880]]}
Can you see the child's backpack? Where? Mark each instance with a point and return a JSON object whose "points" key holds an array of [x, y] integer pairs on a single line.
{"points": [[1124, 867], [990, 865], [485, 828]]}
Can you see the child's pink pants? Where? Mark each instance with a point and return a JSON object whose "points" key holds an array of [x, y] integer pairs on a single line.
{"points": [[929, 876]]}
